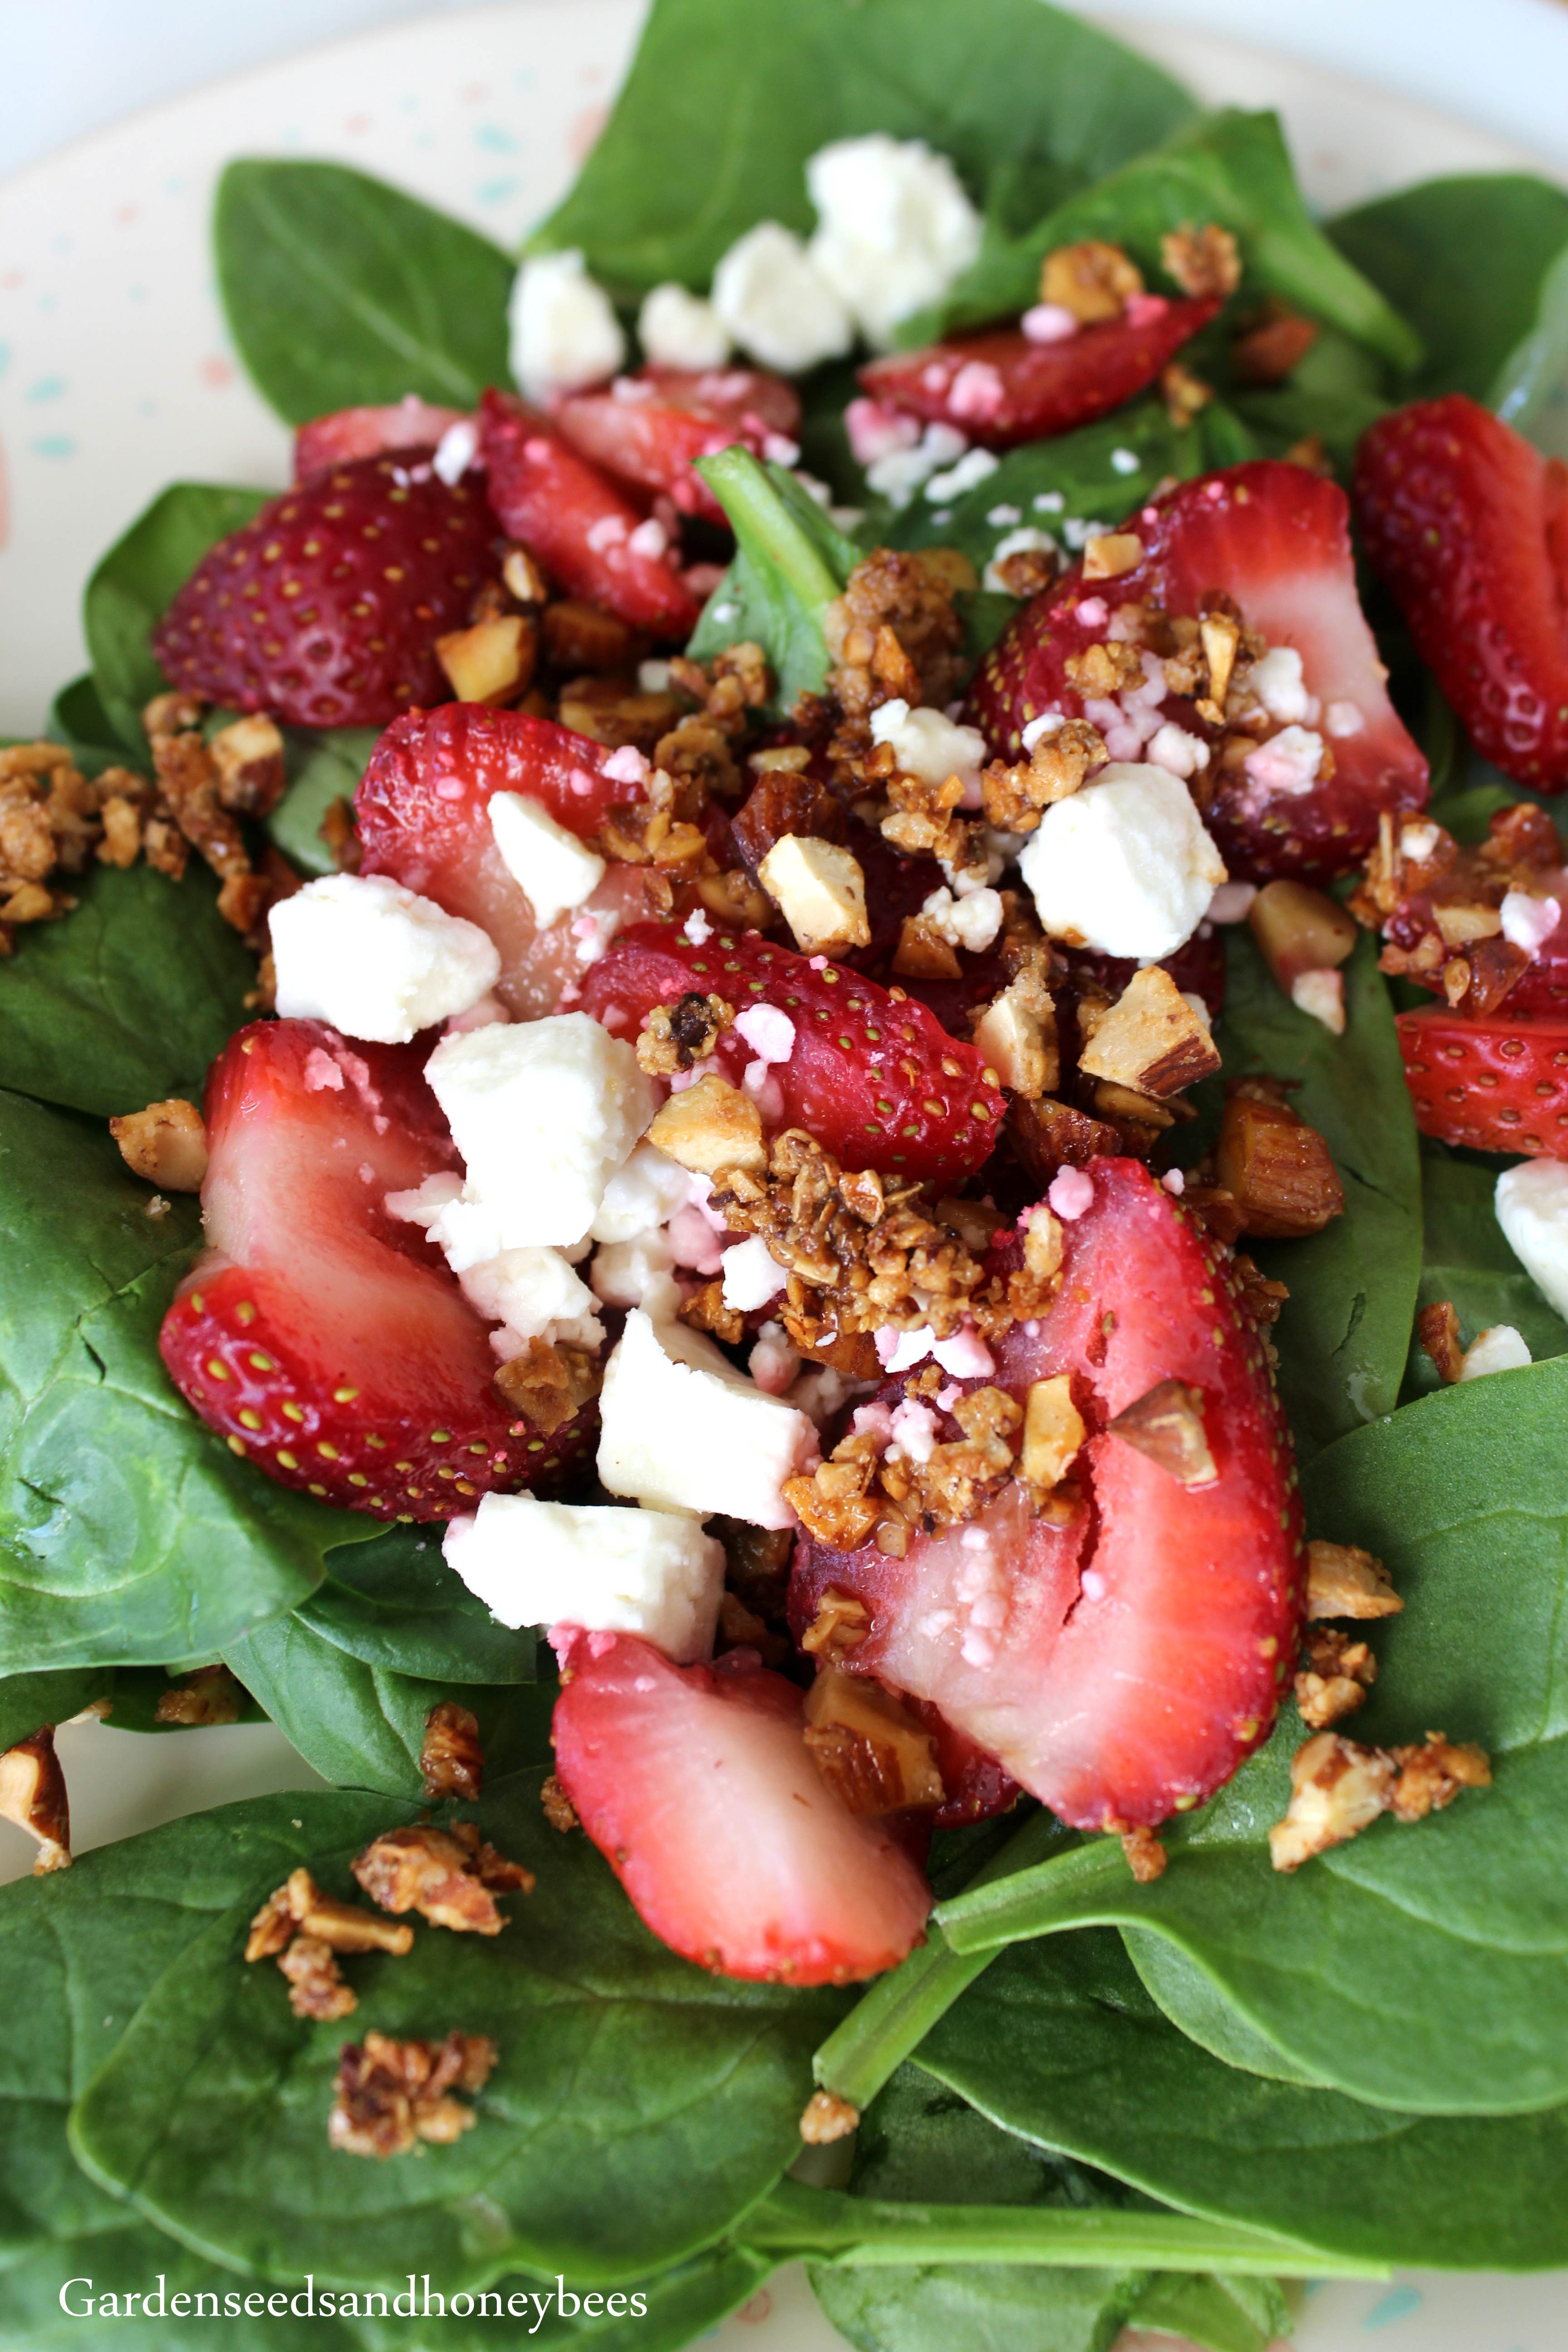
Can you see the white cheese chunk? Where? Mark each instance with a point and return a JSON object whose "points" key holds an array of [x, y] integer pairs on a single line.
{"points": [[544, 1113], [971, 921], [752, 1275], [378, 963], [1277, 683], [533, 1294], [776, 303], [682, 1428], [894, 228], [556, 872], [1500, 1350], [645, 1192], [932, 747], [611, 1571], [1124, 866], [565, 332], [638, 1272], [679, 329], [1531, 1202]]}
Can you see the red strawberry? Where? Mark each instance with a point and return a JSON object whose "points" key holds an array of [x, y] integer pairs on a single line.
{"points": [[1120, 1665], [325, 609], [1468, 525], [1001, 388], [421, 811], [649, 428], [1497, 1084], [350, 433], [698, 1785], [1274, 538], [324, 1339], [587, 533], [872, 1076]]}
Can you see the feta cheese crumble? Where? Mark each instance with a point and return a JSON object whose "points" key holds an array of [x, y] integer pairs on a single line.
{"points": [[1286, 765], [777, 305], [929, 746], [682, 1429], [974, 466], [1528, 922], [556, 872], [1124, 866], [897, 472], [894, 228], [971, 921], [565, 332], [375, 961], [1277, 683], [679, 329], [1531, 1204], [609, 1571], [752, 1275], [533, 1294]]}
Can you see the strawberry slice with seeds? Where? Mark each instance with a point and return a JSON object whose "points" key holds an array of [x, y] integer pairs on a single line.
{"points": [[1275, 540], [323, 1338], [697, 1784], [1003, 387], [1498, 1084], [350, 433], [325, 609], [1468, 525], [422, 810], [1121, 1658], [869, 1073], [650, 428], [586, 530]]}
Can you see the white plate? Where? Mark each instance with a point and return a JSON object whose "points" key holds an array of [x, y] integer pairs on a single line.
{"points": [[117, 375]]}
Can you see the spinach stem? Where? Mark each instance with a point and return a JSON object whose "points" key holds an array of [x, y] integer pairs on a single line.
{"points": [[768, 529], [1032, 1900]]}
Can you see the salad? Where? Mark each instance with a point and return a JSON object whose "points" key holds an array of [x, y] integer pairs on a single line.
{"points": [[785, 1130]]}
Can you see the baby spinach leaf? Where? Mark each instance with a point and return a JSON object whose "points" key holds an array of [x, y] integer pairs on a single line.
{"points": [[362, 1726], [341, 291], [1530, 390], [29, 1701], [1227, 2315], [394, 1603], [77, 719], [323, 767], [640, 2106], [722, 107], [1466, 1262], [1465, 259], [1231, 168], [136, 582], [792, 562], [1060, 2041], [128, 1530], [1417, 1968], [127, 999], [1195, 2002]]}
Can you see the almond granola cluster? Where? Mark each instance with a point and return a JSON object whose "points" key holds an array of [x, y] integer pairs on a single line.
{"points": [[1440, 907]]}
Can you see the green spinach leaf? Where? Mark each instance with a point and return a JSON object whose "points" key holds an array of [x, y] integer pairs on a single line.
{"points": [[128, 1531], [1415, 1967], [638, 2108], [343, 292], [1195, 2003], [29, 1701], [136, 582], [394, 1603], [1060, 2041], [722, 107], [1530, 390], [1467, 1261], [792, 562], [322, 768], [77, 719]]}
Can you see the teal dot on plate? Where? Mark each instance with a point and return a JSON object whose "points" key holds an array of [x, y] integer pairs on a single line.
{"points": [[1397, 2304]]}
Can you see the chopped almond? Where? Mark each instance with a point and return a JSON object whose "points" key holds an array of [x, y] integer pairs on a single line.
{"points": [[1112, 555], [827, 2117], [1438, 1329], [1342, 1581], [821, 892], [1167, 1425], [1202, 261], [33, 1795], [1337, 1790], [451, 1761], [166, 1144], [493, 661], [1151, 1039], [559, 1810], [841, 1624], [873, 1753], [1336, 1678], [1298, 930], [1093, 279], [548, 1384], [1053, 1431], [1146, 1857], [710, 1126], [922, 953], [1277, 1168], [390, 2094]]}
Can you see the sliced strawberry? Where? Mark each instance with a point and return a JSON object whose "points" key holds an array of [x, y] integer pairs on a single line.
{"points": [[587, 533], [872, 1076], [1274, 538], [1468, 525], [1498, 1084], [324, 611], [422, 812], [323, 1338], [650, 428], [698, 1785], [1122, 1664], [1001, 387], [350, 433]]}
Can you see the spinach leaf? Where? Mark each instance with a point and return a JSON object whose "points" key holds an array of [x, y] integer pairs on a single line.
{"points": [[1530, 390], [792, 562], [1335, 393], [128, 1530], [361, 1726], [1465, 260], [1415, 1967], [341, 291], [1195, 2002], [126, 999], [1467, 1261], [1344, 1334], [1060, 2041], [136, 582], [29, 1701], [77, 719], [1231, 168], [722, 107], [1228, 2315], [323, 767], [638, 2107], [394, 1603]]}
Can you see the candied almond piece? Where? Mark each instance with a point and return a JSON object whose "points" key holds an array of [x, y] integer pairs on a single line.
{"points": [[1337, 1790], [1151, 1039], [316, 1986], [390, 2093], [451, 1761], [1277, 1168], [1342, 1581], [1146, 1857], [871, 1752], [820, 888], [826, 2117], [166, 1144], [711, 1126], [1167, 1425], [33, 1795], [1438, 1329], [210, 1695], [1093, 279]]}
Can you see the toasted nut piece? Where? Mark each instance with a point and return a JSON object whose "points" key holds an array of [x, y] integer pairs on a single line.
{"points": [[1049, 1135], [1093, 279], [166, 1144], [1298, 929], [1438, 1329], [1432, 1774], [1018, 1034], [827, 2117], [1277, 1168], [735, 898], [1336, 1678], [522, 577], [341, 1927], [975, 1225], [1146, 1857], [1167, 1425], [950, 565], [1112, 555], [436, 1874], [781, 800], [1337, 1790], [1105, 669], [821, 891], [1185, 395], [316, 1987], [1151, 1039], [841, 1624], [248, 757], [451, 1761], [1219, 634], [33, 1795], [547, 1384], [614, 713], [559, 1810], [491, 662], [922, 953], [711, 1125], [389, 2094], [873, 1753], [582, 637], [1461, 924], [781, 758], [209, 1695], [1342, 1581], [1015, 797], [1053, 1431], [272, 1929], [1267, 352], [1202, 260]]}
